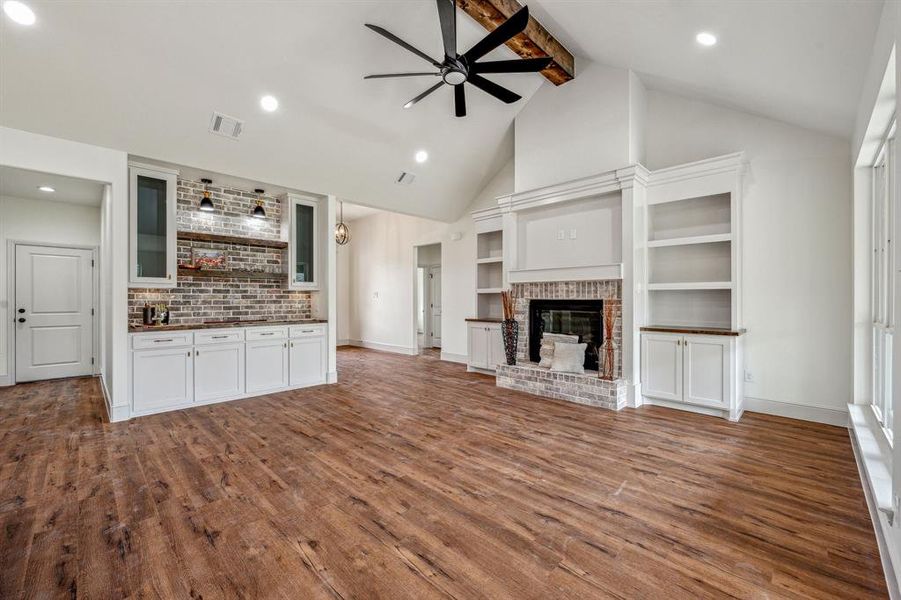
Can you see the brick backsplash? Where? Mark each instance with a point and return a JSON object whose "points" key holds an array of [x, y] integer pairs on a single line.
{"points": [[196, 299]]}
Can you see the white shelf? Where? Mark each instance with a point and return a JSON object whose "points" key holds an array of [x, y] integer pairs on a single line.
{"points": [[694, 239], [693, 285], [489, 290], [490, 260]]}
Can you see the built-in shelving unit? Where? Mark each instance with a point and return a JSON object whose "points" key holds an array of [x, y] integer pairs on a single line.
{"points": [[231, 274], [490, 276], [691, 259]]}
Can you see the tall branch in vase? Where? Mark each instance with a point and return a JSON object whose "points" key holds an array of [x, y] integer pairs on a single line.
{"points": [[509, 326], [608, 364]]}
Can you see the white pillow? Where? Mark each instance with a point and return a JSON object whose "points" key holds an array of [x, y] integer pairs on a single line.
{"points": [[546, 352], [569, 358]]}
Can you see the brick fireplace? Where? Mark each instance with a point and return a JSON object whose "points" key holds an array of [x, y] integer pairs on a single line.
{"points": [[587, 389]]}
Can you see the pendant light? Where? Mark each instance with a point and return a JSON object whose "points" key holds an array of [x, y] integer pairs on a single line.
{"points": [[342, 231], [206, 203], [258, 211]]}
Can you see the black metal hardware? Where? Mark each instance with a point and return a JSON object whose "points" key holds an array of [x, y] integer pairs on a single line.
{"points": [[21, 320]]}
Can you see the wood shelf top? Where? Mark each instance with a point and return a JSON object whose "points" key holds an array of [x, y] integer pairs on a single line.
{"points": [[693, 330], [490, 260], [198, 236], [489, 290], [235, 274]]}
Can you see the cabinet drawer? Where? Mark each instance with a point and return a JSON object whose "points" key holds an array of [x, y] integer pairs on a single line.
{"points": [[171, 339], [267, 333], [218, 336], [314, 330]]}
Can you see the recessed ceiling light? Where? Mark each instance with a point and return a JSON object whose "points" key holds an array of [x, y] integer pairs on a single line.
{"points": [[706, 39], [269, 103], [19, 12], [422, 156], [46, 188]]}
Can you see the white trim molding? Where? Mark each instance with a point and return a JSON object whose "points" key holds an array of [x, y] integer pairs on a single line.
{"points": [[455, 358], [396, 349], [591, 273], [804, 412]]}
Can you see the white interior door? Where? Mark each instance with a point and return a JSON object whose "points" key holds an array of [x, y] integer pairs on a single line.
{"points": [[54, 325], [435, 305]]}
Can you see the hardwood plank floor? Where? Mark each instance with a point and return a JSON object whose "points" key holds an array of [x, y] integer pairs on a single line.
{"points": [[414, 479]]}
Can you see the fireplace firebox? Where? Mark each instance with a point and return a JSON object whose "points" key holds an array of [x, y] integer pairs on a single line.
{"points": [[572, 317]]}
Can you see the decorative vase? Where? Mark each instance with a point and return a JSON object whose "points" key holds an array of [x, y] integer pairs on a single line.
{"points": [[608, 360], [510, 333]]}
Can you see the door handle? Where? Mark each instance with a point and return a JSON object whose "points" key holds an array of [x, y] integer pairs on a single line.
{"points": [[21, 320]]}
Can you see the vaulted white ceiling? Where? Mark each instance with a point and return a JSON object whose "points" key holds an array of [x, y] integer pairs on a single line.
{"points": [[145, 76]]}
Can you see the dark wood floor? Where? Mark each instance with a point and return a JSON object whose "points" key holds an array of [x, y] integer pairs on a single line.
{"points": [[413, 479]]}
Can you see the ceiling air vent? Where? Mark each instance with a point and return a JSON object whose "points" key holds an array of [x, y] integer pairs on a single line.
{"points": [[225, 125], [405, 178]]}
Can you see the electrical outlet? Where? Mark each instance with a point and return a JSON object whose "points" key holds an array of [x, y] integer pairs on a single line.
{"points": [[572, 234], [375, 295], [749, 376], [561, 235]]}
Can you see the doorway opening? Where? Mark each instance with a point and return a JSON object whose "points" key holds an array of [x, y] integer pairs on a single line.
{"points": [[50, 234], [428, 297]]}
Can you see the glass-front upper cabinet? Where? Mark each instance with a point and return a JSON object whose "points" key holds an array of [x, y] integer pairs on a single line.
{"points": [[152, 231], [302, 216]]}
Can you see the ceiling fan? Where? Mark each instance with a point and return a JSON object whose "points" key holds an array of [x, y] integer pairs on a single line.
{"points": [[457, 69]]}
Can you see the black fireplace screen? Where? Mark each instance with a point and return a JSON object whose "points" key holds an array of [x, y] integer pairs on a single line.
{"points": [[572, 317]]}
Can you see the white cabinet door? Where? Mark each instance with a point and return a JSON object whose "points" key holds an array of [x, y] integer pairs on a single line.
{"points": [[266, 365], [218, 371], [162, 379], [707, 371], [152, 230], [496, 355], [308, 357], [478, 345], [661, 366]]}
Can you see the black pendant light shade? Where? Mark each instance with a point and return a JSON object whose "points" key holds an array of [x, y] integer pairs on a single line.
{"points": [[258, 211], [206, 203], [342, 231]]}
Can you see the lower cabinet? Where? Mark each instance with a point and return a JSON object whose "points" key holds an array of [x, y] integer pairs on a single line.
{"points": [[218, 372], [175, 370], [162, 378], [267, 365], [486, 345], [698, 370], [308, 360]]}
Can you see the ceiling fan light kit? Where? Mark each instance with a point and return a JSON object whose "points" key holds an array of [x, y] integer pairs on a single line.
{"points": [[457, 69]]}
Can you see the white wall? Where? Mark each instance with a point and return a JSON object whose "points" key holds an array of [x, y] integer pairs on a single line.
{"points": [[39, 221], [578, 129], [26, 150], [797, 243], [381, 280]]}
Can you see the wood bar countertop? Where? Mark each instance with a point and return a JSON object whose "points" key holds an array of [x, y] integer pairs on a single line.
{"points": [[484, 320], [219, 325], [694, 330]]}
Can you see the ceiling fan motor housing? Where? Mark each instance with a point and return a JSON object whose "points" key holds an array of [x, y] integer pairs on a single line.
{"points": [[454, 71]]}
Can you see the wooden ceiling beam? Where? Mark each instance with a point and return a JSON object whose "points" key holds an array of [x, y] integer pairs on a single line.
{"points": [[535, 41]]}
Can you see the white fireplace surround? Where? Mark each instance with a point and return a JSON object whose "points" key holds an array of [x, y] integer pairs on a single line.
{"points": [[594, 228]]}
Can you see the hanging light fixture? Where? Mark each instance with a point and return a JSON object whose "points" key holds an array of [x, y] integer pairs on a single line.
{"points": [[206, 203], [342, 231], [258, 211]]}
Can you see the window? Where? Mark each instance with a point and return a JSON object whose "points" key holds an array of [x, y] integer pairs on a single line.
{"points": [[883, 281]]}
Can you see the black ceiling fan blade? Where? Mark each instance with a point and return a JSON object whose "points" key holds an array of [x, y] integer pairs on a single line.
{"points": [[447, 15], [489, 87], [525, 65], [387, 75], [501, 34], [423, 95], [403, 44], [460, 100]]}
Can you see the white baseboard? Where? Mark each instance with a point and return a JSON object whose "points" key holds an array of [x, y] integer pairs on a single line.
{"points": [[384, 347], [343, 343], [331, 377], [817, 414], [456, 358], [113, 413], [6, 381]]}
